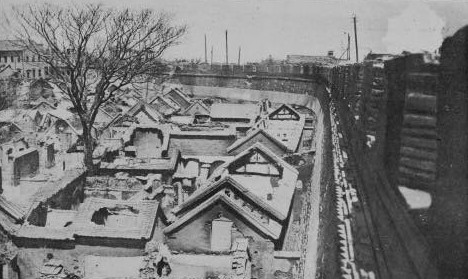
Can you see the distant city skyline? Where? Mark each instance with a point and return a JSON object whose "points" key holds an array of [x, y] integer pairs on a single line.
{"points": [[279, 28]]}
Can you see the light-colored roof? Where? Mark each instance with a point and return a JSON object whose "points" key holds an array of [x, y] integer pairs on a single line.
{"points": [[182, 119], [206, 142], [7, 223], [234, 111], [245, 139], [206, 191], [164, 105], [50, 189], [35, 232], [147, 108], [12, 209], [11, 215], [200, 104], [288, 132], [179, 92], [140, 106], [204, 133], [261, 185], [269, 230], [146, 218]]}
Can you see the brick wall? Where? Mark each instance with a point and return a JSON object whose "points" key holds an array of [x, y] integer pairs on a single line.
{"points": [[449, 211], [362, 98]]}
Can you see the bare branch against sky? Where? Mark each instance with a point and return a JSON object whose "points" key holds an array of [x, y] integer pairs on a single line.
{"points": [[93, 51], [286, 27]]}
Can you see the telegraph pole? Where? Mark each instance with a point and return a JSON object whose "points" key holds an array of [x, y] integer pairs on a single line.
{"points": [[355, 39], [206, 57], [238, 59], [348, 53], [211, 55], [227, 59]]}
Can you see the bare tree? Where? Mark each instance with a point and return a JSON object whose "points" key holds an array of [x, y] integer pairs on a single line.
{"points": [[93, 51]]}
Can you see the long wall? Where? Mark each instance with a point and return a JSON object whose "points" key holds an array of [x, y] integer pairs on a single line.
{"points": [[397, 246], [300, 93], [361, 96], [449, 212], [407, 120]]}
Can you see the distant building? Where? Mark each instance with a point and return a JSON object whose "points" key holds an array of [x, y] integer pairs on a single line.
{"points": [[19, 59], [312, 59], [379, 56]]}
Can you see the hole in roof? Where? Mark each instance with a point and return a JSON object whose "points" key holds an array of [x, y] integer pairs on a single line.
{"points": [[120, 215]]}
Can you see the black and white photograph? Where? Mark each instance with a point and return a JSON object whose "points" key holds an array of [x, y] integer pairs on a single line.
{"points": [[233, 139]]}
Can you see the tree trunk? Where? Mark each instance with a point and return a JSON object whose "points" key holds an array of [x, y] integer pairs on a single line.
{"points": [[88, 151]]}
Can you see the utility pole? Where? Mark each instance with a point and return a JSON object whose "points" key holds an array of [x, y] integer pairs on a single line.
{"points": [[355, 39], [238, 59], [211, 55], [348, 53], [227, 59], [206, 58]]}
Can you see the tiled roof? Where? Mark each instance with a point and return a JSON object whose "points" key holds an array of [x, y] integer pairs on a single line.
{"points": [[245, 139], [164, 105], [260, 185], [182, 101], [263, 149], [35, 232], [146, 218], [147, 108], [13, 210], [213, 142], [204, 192], [273, 232], [50, 189], [234, 111], [8, 224], [205, 133], [134, 110], [200, 104], [288, 132], [43, 101]]}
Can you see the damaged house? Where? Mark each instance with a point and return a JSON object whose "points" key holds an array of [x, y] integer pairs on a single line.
{"points": [[249, 196]]}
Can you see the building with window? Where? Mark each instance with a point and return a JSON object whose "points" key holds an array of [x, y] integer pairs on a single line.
{"points": [[19, 59]]}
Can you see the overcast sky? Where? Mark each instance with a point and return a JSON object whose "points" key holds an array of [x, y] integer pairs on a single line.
{"points": [[281, 27]]}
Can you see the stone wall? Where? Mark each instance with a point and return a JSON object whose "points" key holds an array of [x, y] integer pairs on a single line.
{"points": [[416, 122], [263, 84], [394, 238], [311, 72], [374, 105], [393, 109], [449, 210]]}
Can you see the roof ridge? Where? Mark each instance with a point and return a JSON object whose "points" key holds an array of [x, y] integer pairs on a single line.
{"points": [[220, 196], [202, 192], [252, 134]]}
